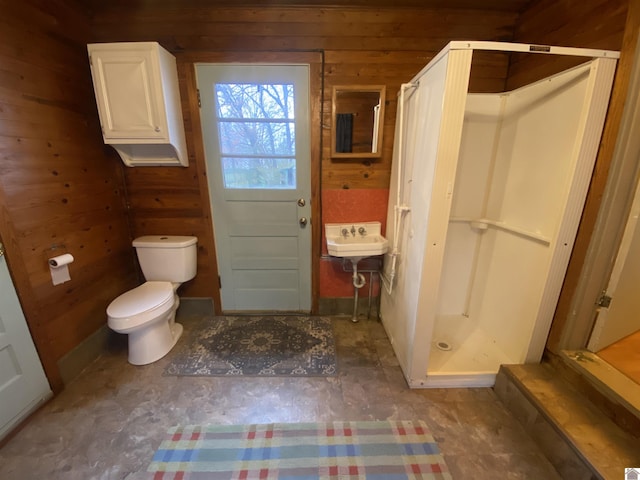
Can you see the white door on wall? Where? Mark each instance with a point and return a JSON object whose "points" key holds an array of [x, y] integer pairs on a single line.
{"points": [[622, 317], [23, 384], [256, 131]]}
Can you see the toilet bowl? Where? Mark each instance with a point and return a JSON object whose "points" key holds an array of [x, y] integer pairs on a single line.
{"points": [[147, 314]]}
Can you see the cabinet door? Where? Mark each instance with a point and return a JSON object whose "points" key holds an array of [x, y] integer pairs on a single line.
{"points": [[129, 94]]}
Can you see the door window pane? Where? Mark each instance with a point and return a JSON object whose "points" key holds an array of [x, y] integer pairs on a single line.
{"points": [[253, 138], [247, 172], [247, 100], [256, 128]]}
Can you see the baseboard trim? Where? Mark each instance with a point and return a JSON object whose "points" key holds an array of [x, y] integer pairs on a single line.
{"points": [[83, 354], [202, 306]]}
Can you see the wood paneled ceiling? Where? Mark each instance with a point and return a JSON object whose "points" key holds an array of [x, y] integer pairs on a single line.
{"points": [[513, 6]]}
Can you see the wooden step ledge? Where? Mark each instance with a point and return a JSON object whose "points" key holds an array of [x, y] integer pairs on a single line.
{"points": [[611, 383], [577, 438]]}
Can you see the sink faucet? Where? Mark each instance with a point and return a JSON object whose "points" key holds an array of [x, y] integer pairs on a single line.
{"points": [[353, 231], [362, 231], [345, 232]]}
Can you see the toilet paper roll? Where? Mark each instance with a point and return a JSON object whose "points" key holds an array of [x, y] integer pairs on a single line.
{"points": [[61, 260], [59, 268]]}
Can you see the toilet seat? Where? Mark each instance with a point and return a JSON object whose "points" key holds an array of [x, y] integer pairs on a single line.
{"points": [[140, 305]]}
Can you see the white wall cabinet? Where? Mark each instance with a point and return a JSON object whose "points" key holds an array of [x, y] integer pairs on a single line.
{"points": [[137, 93]]}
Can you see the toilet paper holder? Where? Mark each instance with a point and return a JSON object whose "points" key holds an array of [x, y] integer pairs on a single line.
{"points": [[59, 268]]}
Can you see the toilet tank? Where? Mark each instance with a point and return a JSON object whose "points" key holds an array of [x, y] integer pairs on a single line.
{"points": [[169, 258]]}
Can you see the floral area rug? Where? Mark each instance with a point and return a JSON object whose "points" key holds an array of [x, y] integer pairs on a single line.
{"points": [[256, 346]]}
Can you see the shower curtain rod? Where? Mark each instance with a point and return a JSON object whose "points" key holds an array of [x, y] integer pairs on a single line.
{"points": [[531, 48], [515, 48]]}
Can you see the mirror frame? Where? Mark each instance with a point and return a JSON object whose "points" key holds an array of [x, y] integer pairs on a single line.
{"points": [[381, 90]]}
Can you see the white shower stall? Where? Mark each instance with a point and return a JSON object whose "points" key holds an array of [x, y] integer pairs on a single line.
{"points": [[485, 200]]}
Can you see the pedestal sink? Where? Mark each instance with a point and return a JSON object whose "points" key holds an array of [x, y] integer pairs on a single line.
{"points": [[355, 241]]}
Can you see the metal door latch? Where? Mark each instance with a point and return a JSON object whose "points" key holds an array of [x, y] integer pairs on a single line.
{"points": [[604, 300]]}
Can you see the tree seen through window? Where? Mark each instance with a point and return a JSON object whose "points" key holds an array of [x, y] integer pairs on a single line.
{"points": [[257, 135]]}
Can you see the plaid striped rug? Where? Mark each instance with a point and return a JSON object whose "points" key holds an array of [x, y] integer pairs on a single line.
{"points": [[339, 450]]}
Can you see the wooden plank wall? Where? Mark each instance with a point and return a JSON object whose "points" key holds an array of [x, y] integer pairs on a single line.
{"points": [[61, 189], [595, 24], [361, 45]]}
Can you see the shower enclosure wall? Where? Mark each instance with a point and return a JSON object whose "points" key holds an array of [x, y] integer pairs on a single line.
{"points": [[486, 196]]}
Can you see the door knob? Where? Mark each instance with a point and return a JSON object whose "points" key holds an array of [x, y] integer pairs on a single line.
{"points": [[303, 221]]}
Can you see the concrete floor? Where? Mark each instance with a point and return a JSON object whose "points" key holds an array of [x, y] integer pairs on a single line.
{"points": [[108, 422]]}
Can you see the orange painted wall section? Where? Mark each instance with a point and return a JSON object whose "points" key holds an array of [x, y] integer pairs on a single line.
{"points": [[348, 206]]}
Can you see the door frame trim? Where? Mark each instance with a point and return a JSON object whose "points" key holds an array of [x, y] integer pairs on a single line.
{"points": [[315, 60]]}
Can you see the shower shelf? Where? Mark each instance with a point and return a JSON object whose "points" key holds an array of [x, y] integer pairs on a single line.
{"points": [[483, 223]]}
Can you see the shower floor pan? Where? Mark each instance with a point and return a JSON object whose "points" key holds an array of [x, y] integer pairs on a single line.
{"points": [[463, 354]]}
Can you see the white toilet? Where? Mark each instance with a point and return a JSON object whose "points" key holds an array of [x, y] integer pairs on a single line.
{"points": [[148, 312]]}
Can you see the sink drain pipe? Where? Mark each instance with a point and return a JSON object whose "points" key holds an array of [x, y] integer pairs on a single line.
{"points": [[358, 282]]}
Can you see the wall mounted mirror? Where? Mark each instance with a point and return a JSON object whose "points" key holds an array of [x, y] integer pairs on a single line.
{"points": [[357, 114]]}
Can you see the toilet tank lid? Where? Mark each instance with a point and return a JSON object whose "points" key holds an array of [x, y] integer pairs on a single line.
{"points": [[164, 241]]}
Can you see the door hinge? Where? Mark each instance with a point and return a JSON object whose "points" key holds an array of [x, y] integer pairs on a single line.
{"points": [[91, 60], [604, 300], [199, 100], [219, 282]]}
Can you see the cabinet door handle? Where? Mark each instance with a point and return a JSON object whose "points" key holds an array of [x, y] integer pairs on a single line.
{"points": [[157, 129]]}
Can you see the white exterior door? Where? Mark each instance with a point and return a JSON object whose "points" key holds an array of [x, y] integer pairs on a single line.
{"points": [[622, 317], [256, 130], [23, 384]]}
